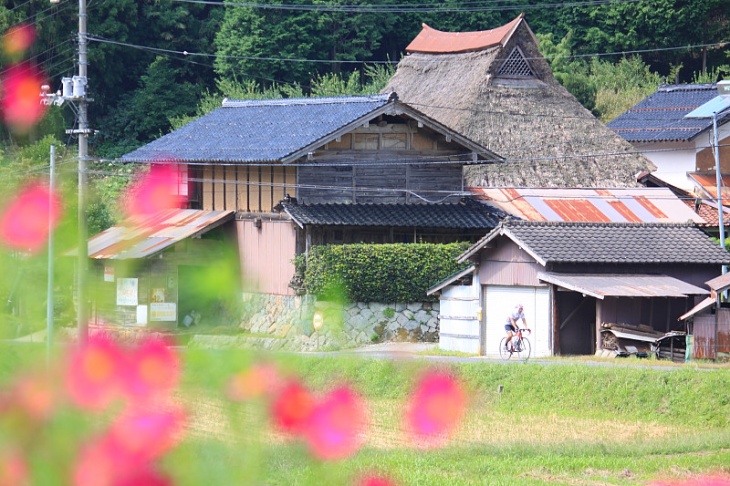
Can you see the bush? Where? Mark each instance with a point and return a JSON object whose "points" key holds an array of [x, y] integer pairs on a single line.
{"points": [[380, 273]]}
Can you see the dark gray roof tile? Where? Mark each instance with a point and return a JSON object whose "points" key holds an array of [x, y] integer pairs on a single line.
{"points": [[257, 130], [617, 242], [660, 116], [455, 216]]}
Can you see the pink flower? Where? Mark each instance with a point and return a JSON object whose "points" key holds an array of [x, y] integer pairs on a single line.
{"points": [[291, 407], [35, 395], [95, 373], [18, 39], [98, 465], [709, 480], [257, 381], [153, 370], [20, 103], [335, 428], [156, 191], [145, 434], [375, 480], [14, 470], [435, 408], [145, 476], [24, 224]]}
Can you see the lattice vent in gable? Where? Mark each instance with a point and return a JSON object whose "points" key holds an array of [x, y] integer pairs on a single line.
{"points": [[516, 66]]}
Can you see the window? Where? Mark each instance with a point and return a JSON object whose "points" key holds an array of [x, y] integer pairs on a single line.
{"points": [[516, 66]]}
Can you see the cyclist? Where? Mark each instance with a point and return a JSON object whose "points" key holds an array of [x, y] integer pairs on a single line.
{"points": [[511, 325]]}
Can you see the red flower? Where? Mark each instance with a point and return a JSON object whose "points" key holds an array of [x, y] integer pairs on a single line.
{"points": [[24, 224], [292, 407], [95, 373], [156, 191], [145, 434], [153, 370], [335, 428], [18, 39], [255, 382], [145, 476], [435, 407], [21, 104]]}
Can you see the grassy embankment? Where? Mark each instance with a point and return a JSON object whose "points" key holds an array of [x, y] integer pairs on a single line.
{"points": [[555, 424]]}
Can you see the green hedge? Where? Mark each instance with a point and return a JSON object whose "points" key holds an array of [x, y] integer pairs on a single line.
{"points": [[379, 273]]}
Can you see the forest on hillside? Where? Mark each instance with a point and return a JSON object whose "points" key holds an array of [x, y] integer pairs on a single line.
{"points": [[154, 64]]}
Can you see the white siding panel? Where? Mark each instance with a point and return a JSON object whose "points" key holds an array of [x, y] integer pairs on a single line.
{"points": [[500, 302], [458, 318]]}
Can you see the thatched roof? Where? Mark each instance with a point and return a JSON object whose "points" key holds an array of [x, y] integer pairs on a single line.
{"points": [[547, 137]]}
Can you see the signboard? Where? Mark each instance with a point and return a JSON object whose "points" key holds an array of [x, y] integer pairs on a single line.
{"points": [[108, 273], [127, 291], [163, 311], [141, 315], [158, 295]]}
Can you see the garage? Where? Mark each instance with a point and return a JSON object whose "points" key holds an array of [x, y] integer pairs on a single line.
{"points": [[500, 301]]}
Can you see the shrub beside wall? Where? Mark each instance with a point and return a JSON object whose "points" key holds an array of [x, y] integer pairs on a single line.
{"points": [[400, 272]]}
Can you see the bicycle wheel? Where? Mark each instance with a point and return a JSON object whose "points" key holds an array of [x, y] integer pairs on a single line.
{"points": [[503, 353], [522, 349]]}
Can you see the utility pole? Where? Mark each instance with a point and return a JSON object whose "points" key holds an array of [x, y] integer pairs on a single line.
{"points": [[74, 90]]}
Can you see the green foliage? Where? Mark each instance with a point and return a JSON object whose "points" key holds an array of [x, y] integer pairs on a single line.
{"points": [[380, 273], [573, 74], [620, 86]]}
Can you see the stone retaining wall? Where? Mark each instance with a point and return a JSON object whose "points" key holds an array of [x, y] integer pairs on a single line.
{"points": [[286, 322]]}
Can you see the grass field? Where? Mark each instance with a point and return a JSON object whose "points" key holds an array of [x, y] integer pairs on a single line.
{"points": [[570, 424]]}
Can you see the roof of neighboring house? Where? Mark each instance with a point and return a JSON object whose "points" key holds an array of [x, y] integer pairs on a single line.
{"points": [[142, 237], [634, 243], [706, 182], [660, 116], [435, 41], [638, 205], [548, 138], [447, 216], [278, 130], [707, 210]]}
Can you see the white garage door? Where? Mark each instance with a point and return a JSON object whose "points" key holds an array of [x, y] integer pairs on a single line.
{"points": [[500, 302]]}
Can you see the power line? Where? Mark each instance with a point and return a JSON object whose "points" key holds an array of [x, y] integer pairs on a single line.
{"points": [[405, 8]]}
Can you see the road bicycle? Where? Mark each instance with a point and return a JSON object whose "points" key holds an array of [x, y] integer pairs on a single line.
{"points": [[519, 346]]}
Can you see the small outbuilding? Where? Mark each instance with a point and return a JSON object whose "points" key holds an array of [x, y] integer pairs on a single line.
{"points": [[575, 279]]}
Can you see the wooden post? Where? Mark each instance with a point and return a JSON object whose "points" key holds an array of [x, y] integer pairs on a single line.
{"points": [[598, 325]]}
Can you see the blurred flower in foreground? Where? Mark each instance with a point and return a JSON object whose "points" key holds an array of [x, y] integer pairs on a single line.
{"points": [[17, 40], [20, 103], [435, 408], [257, 381], [153, 370], [375, 480], [144, 435], [335, 429], [156, 191], [94, 376], [292, 407], [13, 469], [24, 223], [35, 395], [711, 480]]}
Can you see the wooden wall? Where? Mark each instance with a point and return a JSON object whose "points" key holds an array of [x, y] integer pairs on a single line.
{"points": [[266, 255], [254, 189]]}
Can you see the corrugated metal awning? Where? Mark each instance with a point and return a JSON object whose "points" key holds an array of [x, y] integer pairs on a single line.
{"points": [[629, 285], [143, 237]]}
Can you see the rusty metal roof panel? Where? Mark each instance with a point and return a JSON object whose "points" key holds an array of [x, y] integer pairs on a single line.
{"points": [[616, 205], [621, 285], [707, 183], [435, 41], [143, 237]]}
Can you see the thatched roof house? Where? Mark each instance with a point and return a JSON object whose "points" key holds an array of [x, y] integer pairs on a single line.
{"points": [[495, 87]]}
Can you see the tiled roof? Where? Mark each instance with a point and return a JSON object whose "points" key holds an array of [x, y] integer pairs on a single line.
{"points": [[435, 41], [633, 243], [456, 216], [660, 116], [258, 130]]}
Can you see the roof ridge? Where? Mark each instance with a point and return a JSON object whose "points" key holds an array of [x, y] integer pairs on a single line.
{"points": [[238, 103]]}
